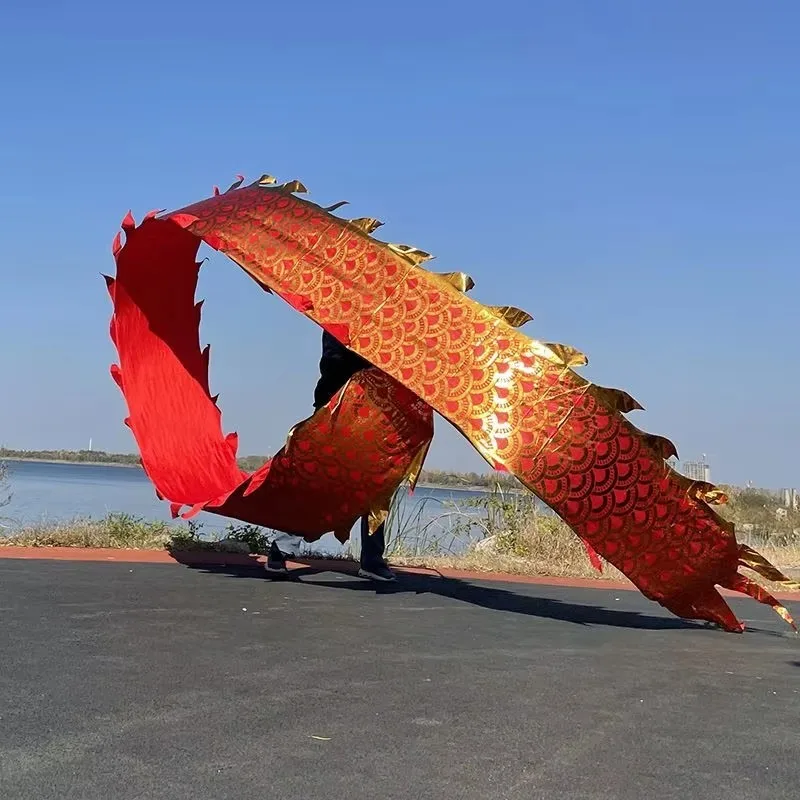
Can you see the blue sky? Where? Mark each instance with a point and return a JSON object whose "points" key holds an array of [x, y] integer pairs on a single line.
{"points": [[628, 172]]}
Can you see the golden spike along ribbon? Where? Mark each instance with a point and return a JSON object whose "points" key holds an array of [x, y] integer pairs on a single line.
{"points": [[294, 187], [741, 583], [458, 280], [616, 399], [784, 614], [412, 254], [367, 225], [514, 316], [752, 559], [569, 356], [707, 493]]}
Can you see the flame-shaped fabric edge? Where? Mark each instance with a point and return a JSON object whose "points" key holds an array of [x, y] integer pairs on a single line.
{"points": [[512, 315], [224, 471], [460, 281], [251, 481], [365, 224]]}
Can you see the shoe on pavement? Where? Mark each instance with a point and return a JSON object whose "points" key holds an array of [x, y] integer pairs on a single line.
{"points": [[276, 561], [377, 572]]}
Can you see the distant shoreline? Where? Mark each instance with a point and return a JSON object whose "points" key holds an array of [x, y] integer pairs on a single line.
{"points": [[56, 461], [10, 460]]}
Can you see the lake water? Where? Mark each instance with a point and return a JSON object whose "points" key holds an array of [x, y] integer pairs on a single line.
{"points": [[48, 493]]}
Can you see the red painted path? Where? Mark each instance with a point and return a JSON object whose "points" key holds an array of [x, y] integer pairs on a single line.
{"points": [[201, 557]]}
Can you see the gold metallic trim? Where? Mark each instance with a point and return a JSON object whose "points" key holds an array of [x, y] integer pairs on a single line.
{"points": [[567, 355], [459, 280], [514, 316], [412, 254], [753, 560], [294, 187], [616, 399], [707, 493], [366, 224], [377, 517]]}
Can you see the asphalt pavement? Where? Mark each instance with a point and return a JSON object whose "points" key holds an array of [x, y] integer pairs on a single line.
{"points": [[123, 681]]}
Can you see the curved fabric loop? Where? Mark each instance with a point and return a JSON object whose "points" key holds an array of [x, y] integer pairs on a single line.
{"points": [[517, 400], [320, 481]]}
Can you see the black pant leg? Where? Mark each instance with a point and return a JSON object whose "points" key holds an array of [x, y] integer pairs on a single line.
{"points": [[373, 545]]}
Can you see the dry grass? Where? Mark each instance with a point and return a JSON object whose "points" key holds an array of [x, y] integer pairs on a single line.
{"points": [[115, 530], [496, 532], [542, 545], [124, 531], [500, 533], [511, 565], [518, 539]]}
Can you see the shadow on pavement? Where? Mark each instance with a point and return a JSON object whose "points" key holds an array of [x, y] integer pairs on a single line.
{"points": [[489, 597]]}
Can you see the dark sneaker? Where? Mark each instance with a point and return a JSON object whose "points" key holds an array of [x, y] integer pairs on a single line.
{"points": [[276, 561], [376, 572]]}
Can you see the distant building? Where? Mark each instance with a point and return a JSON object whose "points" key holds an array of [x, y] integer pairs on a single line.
{"points": [[790, 498], [697, 470]]}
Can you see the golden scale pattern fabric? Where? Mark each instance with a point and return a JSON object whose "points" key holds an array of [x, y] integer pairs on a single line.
{"points": [[519, 401]]}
